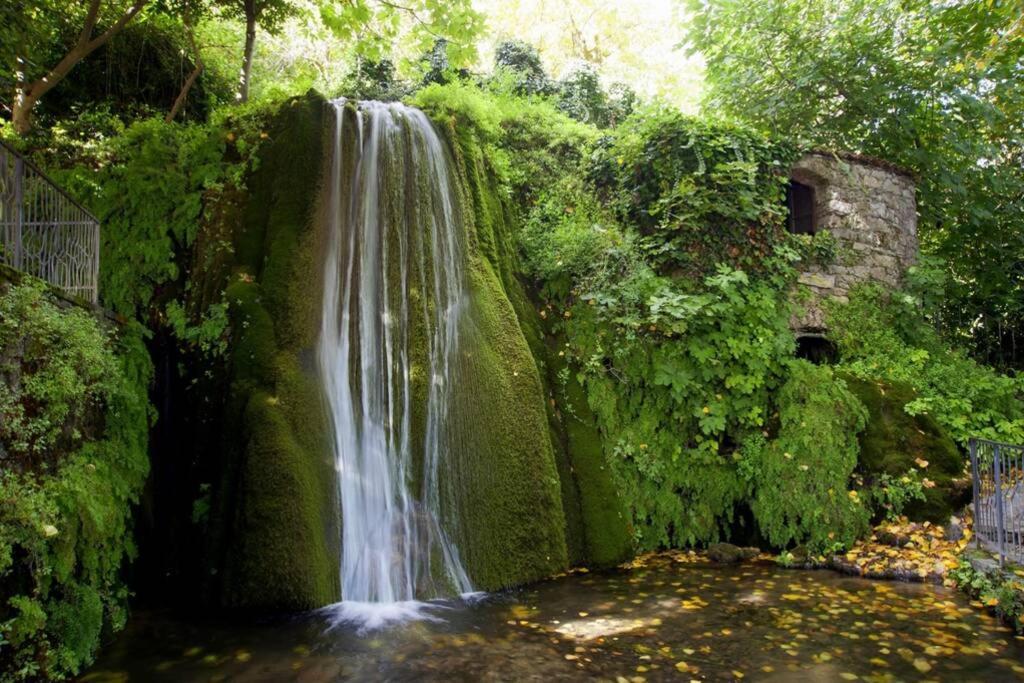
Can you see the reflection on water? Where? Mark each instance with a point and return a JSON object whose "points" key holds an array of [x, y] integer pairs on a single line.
{"points": [[673, 619]]}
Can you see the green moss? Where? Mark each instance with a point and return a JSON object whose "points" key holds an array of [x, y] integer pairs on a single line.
{"points": [[596, 527], [275, 526], [894, 440], [607, 529], [510, 509]]}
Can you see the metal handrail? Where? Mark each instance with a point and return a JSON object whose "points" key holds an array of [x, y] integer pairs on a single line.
{"points": [[41, 173], [44, 231], [997, 471]]}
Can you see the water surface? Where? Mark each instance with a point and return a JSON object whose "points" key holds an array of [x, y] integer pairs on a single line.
{"points": [[675, 618]]}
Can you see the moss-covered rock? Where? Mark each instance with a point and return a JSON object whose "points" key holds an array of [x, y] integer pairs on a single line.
{"points": [[596, 526], [510, 517], [894, 441], [275, 522]]}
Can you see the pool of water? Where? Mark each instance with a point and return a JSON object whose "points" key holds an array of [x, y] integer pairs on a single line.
{"points": [[674, 618]]}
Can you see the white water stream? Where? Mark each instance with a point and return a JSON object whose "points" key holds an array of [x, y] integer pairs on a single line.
{"points": [[394, 284]]}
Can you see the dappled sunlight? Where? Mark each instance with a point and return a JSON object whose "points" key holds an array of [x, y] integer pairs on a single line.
{"points": [[670, 615]]}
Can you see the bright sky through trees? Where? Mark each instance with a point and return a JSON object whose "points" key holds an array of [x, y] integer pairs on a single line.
{"points": [[634, 41]]}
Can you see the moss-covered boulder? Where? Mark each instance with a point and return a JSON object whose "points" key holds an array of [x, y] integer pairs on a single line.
{"points": [[894, 442], [275, 520], [595, 524]]}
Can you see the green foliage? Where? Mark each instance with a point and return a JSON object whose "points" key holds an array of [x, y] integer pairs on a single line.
{"points": [[55, 374], [134, 75], [1001, 591], [814, 453], [701, 193], [152, 188], [903, 455], [674, 377], [65, 532], [527, 142], [580, 95], [892, 494], [934, 87], [884, 337], [373, 28], [522, 62]]}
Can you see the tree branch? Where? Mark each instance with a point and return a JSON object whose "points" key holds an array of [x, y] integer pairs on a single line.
{"points": [[197, 69], [412, 13], [82, 48]]}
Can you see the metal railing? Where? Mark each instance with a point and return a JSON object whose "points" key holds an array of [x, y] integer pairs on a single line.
{"points": [[44, 232], [998, 473]]}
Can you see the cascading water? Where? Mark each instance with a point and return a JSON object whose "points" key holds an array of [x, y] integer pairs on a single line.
{"points": [[394, 298]]}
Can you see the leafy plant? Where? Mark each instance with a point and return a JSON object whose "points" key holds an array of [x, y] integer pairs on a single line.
{"points": [[890, 495], [65, 530], [55, 375], [883, 336], [815, 454]]}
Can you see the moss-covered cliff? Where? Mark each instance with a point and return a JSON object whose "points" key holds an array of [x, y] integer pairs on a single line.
{"points": [[595, 523], [895, 443], [275, 524], [527, 481]]}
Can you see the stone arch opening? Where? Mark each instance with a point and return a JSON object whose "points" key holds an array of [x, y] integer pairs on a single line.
{"points": [[816, 349], [801, 218]]}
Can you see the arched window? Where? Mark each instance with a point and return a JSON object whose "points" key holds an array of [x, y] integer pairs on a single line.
{"points": [[800, 206]]}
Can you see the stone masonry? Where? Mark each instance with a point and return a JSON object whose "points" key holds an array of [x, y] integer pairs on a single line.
{"points": [[870, 208]]}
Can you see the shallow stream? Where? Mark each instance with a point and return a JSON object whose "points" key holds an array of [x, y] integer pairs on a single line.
{"points": [[671, 618]]}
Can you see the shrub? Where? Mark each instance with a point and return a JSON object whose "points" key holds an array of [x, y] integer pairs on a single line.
{"points": [[55, 374], [802, 478], [65, 529], [883, 337]]}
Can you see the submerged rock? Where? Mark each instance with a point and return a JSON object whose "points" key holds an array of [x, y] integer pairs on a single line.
{"points": [[727, 553]]}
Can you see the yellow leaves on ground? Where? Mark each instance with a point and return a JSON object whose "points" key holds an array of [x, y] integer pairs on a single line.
{"points": [[906, 550]]}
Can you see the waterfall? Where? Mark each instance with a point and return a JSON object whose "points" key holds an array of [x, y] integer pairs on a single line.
{"points": [[394, 297]]}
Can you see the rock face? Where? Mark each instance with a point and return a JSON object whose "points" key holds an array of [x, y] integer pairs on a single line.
{"points": [[275, 511], [870, 209]]}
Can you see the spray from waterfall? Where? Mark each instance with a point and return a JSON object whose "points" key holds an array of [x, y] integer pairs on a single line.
{"points": [[394, 297]]}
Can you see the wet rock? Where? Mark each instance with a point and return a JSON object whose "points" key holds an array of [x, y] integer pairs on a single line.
{"points": [[984, 565], [727, 553], [955, 529]]}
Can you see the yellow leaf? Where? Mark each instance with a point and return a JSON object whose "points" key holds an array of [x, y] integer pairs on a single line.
{"points": [[922, 665]]}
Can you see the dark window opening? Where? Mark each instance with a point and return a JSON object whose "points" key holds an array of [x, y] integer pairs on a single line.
{"points": [[817, 350], [800, 207]]}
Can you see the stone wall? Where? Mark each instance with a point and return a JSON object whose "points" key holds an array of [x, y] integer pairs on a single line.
{"points": [[870, 208]]}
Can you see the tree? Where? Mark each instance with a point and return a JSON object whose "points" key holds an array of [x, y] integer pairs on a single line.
{"points": [[935, 87], [35, 24], [373, 27], [523, 61], [266, 14], [187, 17]]}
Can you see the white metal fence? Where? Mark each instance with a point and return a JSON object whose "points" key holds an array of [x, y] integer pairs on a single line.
{"points": [[998, 473], [44, 232]]}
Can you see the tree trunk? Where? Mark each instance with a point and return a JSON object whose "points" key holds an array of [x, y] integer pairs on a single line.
{"points": [[27, 94], [21, 112], [250, 42], [179, 101]]}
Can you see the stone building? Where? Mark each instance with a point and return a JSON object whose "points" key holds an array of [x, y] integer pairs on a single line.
{"points": [[869, 207]]}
